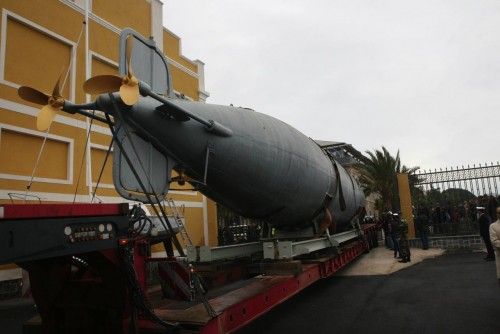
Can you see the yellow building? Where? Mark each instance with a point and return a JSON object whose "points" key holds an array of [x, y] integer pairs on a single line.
{"points": [[38, 38]]}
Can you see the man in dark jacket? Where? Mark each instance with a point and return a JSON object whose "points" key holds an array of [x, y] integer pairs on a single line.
{"points": [[394, 233], [404, 246], [484, 230], [422, 226]]}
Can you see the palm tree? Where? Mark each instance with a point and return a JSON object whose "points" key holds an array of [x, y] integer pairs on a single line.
{"points": [[378, 174]]}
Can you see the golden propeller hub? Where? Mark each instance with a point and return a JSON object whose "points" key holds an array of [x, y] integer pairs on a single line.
{"points": [[130, 80], [56, 102]]}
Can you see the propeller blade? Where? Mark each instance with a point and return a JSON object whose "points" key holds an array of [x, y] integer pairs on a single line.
{"points": [[51, 103], [129, 90], [102, 84], [129, 93], [32, 95], [56, 92], [128, 86], [45, 117]]}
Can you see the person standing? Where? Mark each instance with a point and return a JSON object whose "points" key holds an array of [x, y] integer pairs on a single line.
{"points": [[393, 230], [491, 208], [404, 246], [387, 231], [484, 230], [422, 225], [495, 240]]}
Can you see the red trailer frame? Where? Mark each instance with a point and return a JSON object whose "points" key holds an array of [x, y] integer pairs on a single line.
{"points": [[104, 282], [237, 308]]}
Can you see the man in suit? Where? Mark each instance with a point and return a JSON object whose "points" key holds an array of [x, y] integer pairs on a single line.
{"points": [[484, 230]]}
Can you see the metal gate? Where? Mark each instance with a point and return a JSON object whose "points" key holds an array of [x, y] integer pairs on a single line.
{"points": [[451, 196]]}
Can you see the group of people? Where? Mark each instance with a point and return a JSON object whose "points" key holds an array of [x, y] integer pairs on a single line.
{"points": [[395, 232], [447, 218], [469, 215]]}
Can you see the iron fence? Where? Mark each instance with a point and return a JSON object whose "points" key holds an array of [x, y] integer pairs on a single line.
{"points": [[451, 196], [480, 180]]}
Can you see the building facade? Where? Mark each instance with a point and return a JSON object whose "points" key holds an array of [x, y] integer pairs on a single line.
{"points": [[38, 38]]}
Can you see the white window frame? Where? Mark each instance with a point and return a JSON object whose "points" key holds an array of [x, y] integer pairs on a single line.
{"points": [[6, 15]]}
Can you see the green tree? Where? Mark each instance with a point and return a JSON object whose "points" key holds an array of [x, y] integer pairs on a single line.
{"points": [[378, 174], [434, 197]]}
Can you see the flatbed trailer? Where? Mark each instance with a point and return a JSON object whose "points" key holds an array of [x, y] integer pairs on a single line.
{"points": [[98, 296], [262, 293]]}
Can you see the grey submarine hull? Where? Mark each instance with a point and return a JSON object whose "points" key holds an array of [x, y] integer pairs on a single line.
{"points": [[265, 169]]}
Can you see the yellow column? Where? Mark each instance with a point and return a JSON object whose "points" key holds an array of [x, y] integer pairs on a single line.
{"points": [[405, 202]]}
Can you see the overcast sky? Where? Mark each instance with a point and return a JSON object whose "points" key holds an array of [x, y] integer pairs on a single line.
{"points": [[419, 76]]}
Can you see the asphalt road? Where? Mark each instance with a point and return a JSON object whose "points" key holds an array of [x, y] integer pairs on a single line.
{"points": [[456, 293], [450, 294]]}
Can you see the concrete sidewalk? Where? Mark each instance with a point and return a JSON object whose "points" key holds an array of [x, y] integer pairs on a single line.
{"points": [[381, 261]]}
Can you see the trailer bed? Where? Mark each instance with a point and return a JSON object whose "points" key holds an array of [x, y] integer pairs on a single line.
{"points": [[246, 300]]}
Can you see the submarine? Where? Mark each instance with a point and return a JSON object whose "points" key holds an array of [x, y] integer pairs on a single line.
{"points": [[254, 164]]}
